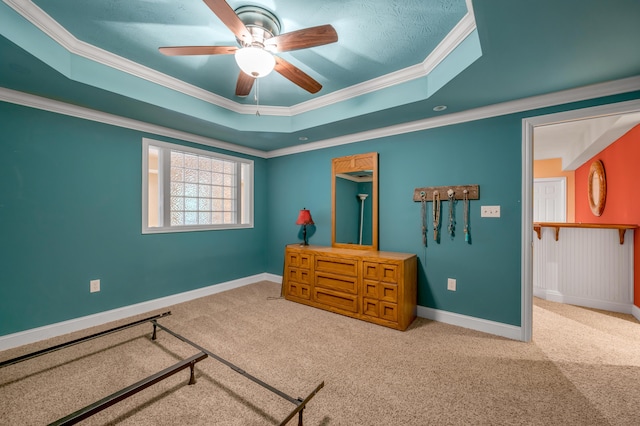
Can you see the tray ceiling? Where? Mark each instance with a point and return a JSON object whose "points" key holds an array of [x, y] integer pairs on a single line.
{"points": [[393, 63]]}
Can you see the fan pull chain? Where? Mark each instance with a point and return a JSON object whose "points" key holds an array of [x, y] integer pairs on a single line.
{"points": [[256, 96]]}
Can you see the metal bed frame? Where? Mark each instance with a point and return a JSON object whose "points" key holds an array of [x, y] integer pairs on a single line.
{"points": [[190, 363]]}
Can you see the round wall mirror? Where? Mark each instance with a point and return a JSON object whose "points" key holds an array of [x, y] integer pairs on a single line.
{"points": [[597, 187]]}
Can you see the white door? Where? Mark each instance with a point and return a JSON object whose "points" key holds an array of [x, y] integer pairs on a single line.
{"points": [[550, 200]]}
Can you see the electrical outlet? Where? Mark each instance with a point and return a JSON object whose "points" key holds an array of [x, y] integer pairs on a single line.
{"points": [[490, 211], [451, 284], [94, 286]]}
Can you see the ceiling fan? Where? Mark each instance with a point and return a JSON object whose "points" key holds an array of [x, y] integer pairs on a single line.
{"points": [[258, 34]]}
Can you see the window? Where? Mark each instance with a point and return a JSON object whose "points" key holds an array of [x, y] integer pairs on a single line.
{"points": [[189, 189]]}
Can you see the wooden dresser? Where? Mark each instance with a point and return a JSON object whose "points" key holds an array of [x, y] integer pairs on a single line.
{"points": [[375, 286]]}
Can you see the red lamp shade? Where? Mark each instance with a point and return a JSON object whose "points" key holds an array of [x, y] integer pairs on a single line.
{"points": [[304, 218]]}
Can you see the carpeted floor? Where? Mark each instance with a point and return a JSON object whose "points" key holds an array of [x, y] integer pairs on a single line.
{"points": [[582, 368]]}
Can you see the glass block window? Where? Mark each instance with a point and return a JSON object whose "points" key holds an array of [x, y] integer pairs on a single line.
{"points": [[191, 189]]}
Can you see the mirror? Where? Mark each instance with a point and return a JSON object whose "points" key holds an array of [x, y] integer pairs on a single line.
{"points": [[597, 187], [354, 208]]}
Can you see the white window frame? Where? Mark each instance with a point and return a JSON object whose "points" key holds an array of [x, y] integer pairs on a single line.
{"points": [[243, 208]]}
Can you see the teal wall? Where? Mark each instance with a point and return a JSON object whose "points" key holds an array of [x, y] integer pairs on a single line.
{"points": [[350, 210], [70, 212], [348, 221], [484, 152]]}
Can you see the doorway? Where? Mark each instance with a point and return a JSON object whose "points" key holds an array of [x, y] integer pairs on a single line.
{"points": [[528, 127]]}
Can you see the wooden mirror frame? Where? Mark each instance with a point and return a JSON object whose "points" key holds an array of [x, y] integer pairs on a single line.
{"points": [[597, 199], [350, 164]]}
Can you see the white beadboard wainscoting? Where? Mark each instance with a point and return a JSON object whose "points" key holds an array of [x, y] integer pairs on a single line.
{"points": [[585, 267]]}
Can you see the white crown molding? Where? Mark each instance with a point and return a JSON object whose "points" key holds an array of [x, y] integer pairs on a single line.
{"points": [[558, 98], [58, 33], [32, 101], [379, 83], [456, 36], [599, 111]]}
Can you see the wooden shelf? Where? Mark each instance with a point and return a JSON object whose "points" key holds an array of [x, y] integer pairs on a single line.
{"points": [[537, 226]]}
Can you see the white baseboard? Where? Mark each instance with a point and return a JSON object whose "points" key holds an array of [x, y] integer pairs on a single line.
{"points": [[58, 329], [478, 324], [605, 305], [36, 334]]}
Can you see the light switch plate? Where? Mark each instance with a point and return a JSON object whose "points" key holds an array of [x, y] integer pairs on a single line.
{"points": [[94, 286]]}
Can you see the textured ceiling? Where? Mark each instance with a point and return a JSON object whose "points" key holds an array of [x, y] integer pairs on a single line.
{"points": [[376, 37], [383, 71]]}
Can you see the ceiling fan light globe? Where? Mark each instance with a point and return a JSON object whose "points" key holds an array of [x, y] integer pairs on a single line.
{"points": [[255, 61]]}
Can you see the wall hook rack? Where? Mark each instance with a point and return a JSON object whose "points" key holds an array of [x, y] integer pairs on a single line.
{"points": [[472, 194]]}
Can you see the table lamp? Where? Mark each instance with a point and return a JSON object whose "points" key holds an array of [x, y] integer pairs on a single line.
{"points": [[304, 219]]}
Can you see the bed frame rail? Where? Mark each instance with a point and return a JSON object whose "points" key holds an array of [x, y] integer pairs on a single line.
{"points": [[114, 398], [80, 340], [300, 403]]}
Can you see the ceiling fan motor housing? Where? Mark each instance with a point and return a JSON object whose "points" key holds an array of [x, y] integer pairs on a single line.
{"points": [[261, 23], [259, 37]]}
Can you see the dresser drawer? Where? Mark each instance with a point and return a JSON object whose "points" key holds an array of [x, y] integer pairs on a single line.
{"points": [[371, 271], [298, 260], [370, 289], [386, 272], [380, 291], [335, 299], [380, 309], [337, 282], [299, 275], [301, 291], [388, 311], [336, 265], [388, 292], [389, 273], [370, 307]]}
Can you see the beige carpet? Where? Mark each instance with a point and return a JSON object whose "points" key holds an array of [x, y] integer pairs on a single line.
{"points": [[582, 368]]}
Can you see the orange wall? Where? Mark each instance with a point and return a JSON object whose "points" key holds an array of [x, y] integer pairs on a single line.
{"points": [[553, 168], [622, 205]]}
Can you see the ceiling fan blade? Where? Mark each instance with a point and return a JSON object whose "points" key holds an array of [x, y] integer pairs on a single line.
{"points": [[228, 17], [301, 39], [297, 76], [244, 84], [197, 50]]}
